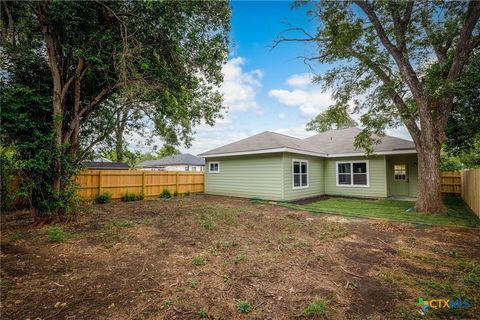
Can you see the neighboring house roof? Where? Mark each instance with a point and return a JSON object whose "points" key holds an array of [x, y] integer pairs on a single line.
{"points": [[266, 141], [105, 165], [178, 159], [328, 144]]}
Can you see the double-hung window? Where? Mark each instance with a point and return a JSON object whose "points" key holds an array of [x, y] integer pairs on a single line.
{"points": [[214, 167], [354, 173], [300, 174]]}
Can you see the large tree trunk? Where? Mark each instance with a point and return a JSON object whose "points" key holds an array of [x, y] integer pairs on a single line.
{"points": [[429, 194]]}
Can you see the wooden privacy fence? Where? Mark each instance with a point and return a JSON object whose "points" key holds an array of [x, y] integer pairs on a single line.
{"points": [[150, 183], [451, 182], [471, 189]]}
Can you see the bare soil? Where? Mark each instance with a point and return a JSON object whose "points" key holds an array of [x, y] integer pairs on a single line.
{"points": [[157, 259]]}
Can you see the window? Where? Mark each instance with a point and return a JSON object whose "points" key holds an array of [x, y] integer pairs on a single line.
{"points": [[353, 173], [194, 168], [187, 169], [400, 172], [214, 167], [300, 174]]}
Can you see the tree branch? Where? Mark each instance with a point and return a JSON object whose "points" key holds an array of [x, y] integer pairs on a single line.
{"points": [[406, 70]]}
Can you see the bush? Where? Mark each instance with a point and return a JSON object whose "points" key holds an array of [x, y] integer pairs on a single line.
{"points": [[165, 194], [103, 197], [130, 196], [244, 306], [187, 193], [175, 194], [56, 234]]}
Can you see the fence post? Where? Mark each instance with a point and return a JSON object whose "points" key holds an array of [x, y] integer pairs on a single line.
{"points": [[176, 182], [143, 183], [100, 174]]}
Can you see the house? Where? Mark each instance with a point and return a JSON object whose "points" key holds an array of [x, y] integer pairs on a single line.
{"points": [[278, 167], [105, 165], [178, 162]]}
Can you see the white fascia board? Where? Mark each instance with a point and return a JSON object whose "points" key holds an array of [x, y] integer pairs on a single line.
{"points": [[381, 153]]}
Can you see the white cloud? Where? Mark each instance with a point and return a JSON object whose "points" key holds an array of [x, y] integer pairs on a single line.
{"points": [[298, 132], [310, 99], [282, 115], [300, 80], [240, 87]]}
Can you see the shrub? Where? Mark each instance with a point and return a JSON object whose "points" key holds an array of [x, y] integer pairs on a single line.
{"points": [[175, 194], [56, 234], [165, 194], [244, 306], [187, 193], [103, 197], [132, 196], [316, 308]]}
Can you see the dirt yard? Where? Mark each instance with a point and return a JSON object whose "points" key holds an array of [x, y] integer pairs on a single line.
{"points": [[224, 258]]}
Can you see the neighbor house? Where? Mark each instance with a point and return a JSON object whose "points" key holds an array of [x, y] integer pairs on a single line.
{"points": [[178, 162], [278, 167]]}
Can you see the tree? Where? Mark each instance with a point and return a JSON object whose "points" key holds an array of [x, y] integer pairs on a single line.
{"points": [[166, 56], [332, 118], [406, 59], [463, 127], [167, 151]]}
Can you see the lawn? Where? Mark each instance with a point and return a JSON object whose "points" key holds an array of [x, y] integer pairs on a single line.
{"points": [[457, 211], [205, 257]]}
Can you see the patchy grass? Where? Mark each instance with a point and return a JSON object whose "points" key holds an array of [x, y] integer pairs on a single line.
{"points": [[260, 259], [316, 308], [15, 236], [244, 306], [56, 234], [457, 212]]}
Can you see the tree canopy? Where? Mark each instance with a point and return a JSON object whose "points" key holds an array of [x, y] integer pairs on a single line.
{"points": [[400, 63], [78, 57]]}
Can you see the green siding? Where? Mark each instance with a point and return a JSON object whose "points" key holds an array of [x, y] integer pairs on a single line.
{"points": [[315, 175], [378, 181], [402, 188], [246, 176]]}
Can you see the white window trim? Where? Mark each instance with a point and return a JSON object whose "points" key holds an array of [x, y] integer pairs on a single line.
{"points": [[293, 175], [213, 162], [351, 174]]}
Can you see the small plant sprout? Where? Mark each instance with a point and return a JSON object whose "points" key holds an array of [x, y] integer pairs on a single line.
{"points": [[199, 260], [167, 303], [193, 283], [243, 306], [202, 314], [56, 234], [239, 258], [316, 308]]}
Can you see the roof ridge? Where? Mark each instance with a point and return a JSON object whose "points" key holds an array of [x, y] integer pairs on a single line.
{"points": [[282, 134]]}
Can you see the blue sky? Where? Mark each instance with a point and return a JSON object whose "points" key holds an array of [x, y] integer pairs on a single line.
{"points": [[266, 88]]}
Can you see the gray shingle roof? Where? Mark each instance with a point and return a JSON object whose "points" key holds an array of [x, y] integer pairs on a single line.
{"points": [[105, 165], [331, 142], [185, 158], [341, 141], [265, 141]]}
